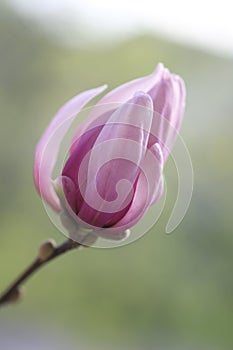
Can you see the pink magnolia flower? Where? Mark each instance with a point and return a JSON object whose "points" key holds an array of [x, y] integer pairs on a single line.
{"points": [[113, 173]]}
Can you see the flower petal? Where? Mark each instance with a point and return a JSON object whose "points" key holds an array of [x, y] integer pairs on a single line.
{"points": [[109, 170], [48, 146], [120, 95], [148, 189], [169, 102]]}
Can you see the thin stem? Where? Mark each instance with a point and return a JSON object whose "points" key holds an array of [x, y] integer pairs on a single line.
{"points": [[13, 291]]}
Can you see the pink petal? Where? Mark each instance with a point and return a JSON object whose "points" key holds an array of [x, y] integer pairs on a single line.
{"points": [[169, 102], [158, 178], [72, 165], [169, 97], [120, 95], [148, 190], [109, 170], [48, 146]]}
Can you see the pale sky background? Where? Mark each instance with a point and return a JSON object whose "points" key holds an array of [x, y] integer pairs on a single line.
{"points": [[205, 23]]}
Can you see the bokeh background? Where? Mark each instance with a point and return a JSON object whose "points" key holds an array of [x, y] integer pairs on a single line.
{"points": [[163, 292]]}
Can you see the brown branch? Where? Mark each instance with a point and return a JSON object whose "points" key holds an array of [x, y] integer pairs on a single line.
{"points": [[47, 252]]}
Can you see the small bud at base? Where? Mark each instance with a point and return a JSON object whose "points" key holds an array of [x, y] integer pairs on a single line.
{"points": [[46, 249], [16, 295]]}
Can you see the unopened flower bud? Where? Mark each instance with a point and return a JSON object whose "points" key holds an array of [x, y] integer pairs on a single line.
{"points": [[114, 169], [46, 249], [16, 295]]}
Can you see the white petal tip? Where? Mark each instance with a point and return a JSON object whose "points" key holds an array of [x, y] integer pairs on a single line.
{"points": [[103, 87], [159, 67]]}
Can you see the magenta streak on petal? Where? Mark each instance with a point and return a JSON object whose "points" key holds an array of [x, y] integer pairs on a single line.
{"points": [[48, 146], [72, 166], [102, 115]]}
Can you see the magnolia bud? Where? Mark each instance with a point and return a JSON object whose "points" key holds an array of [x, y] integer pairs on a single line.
{"points": [[46, 249], [16, 295], [104, 184]]}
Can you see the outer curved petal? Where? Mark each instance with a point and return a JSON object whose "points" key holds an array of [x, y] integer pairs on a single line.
{"points": [[169, 102], [48, 146], [120, 95]]}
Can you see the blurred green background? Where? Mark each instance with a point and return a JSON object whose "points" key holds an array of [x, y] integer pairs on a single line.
{"points": [[161, 292]]}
